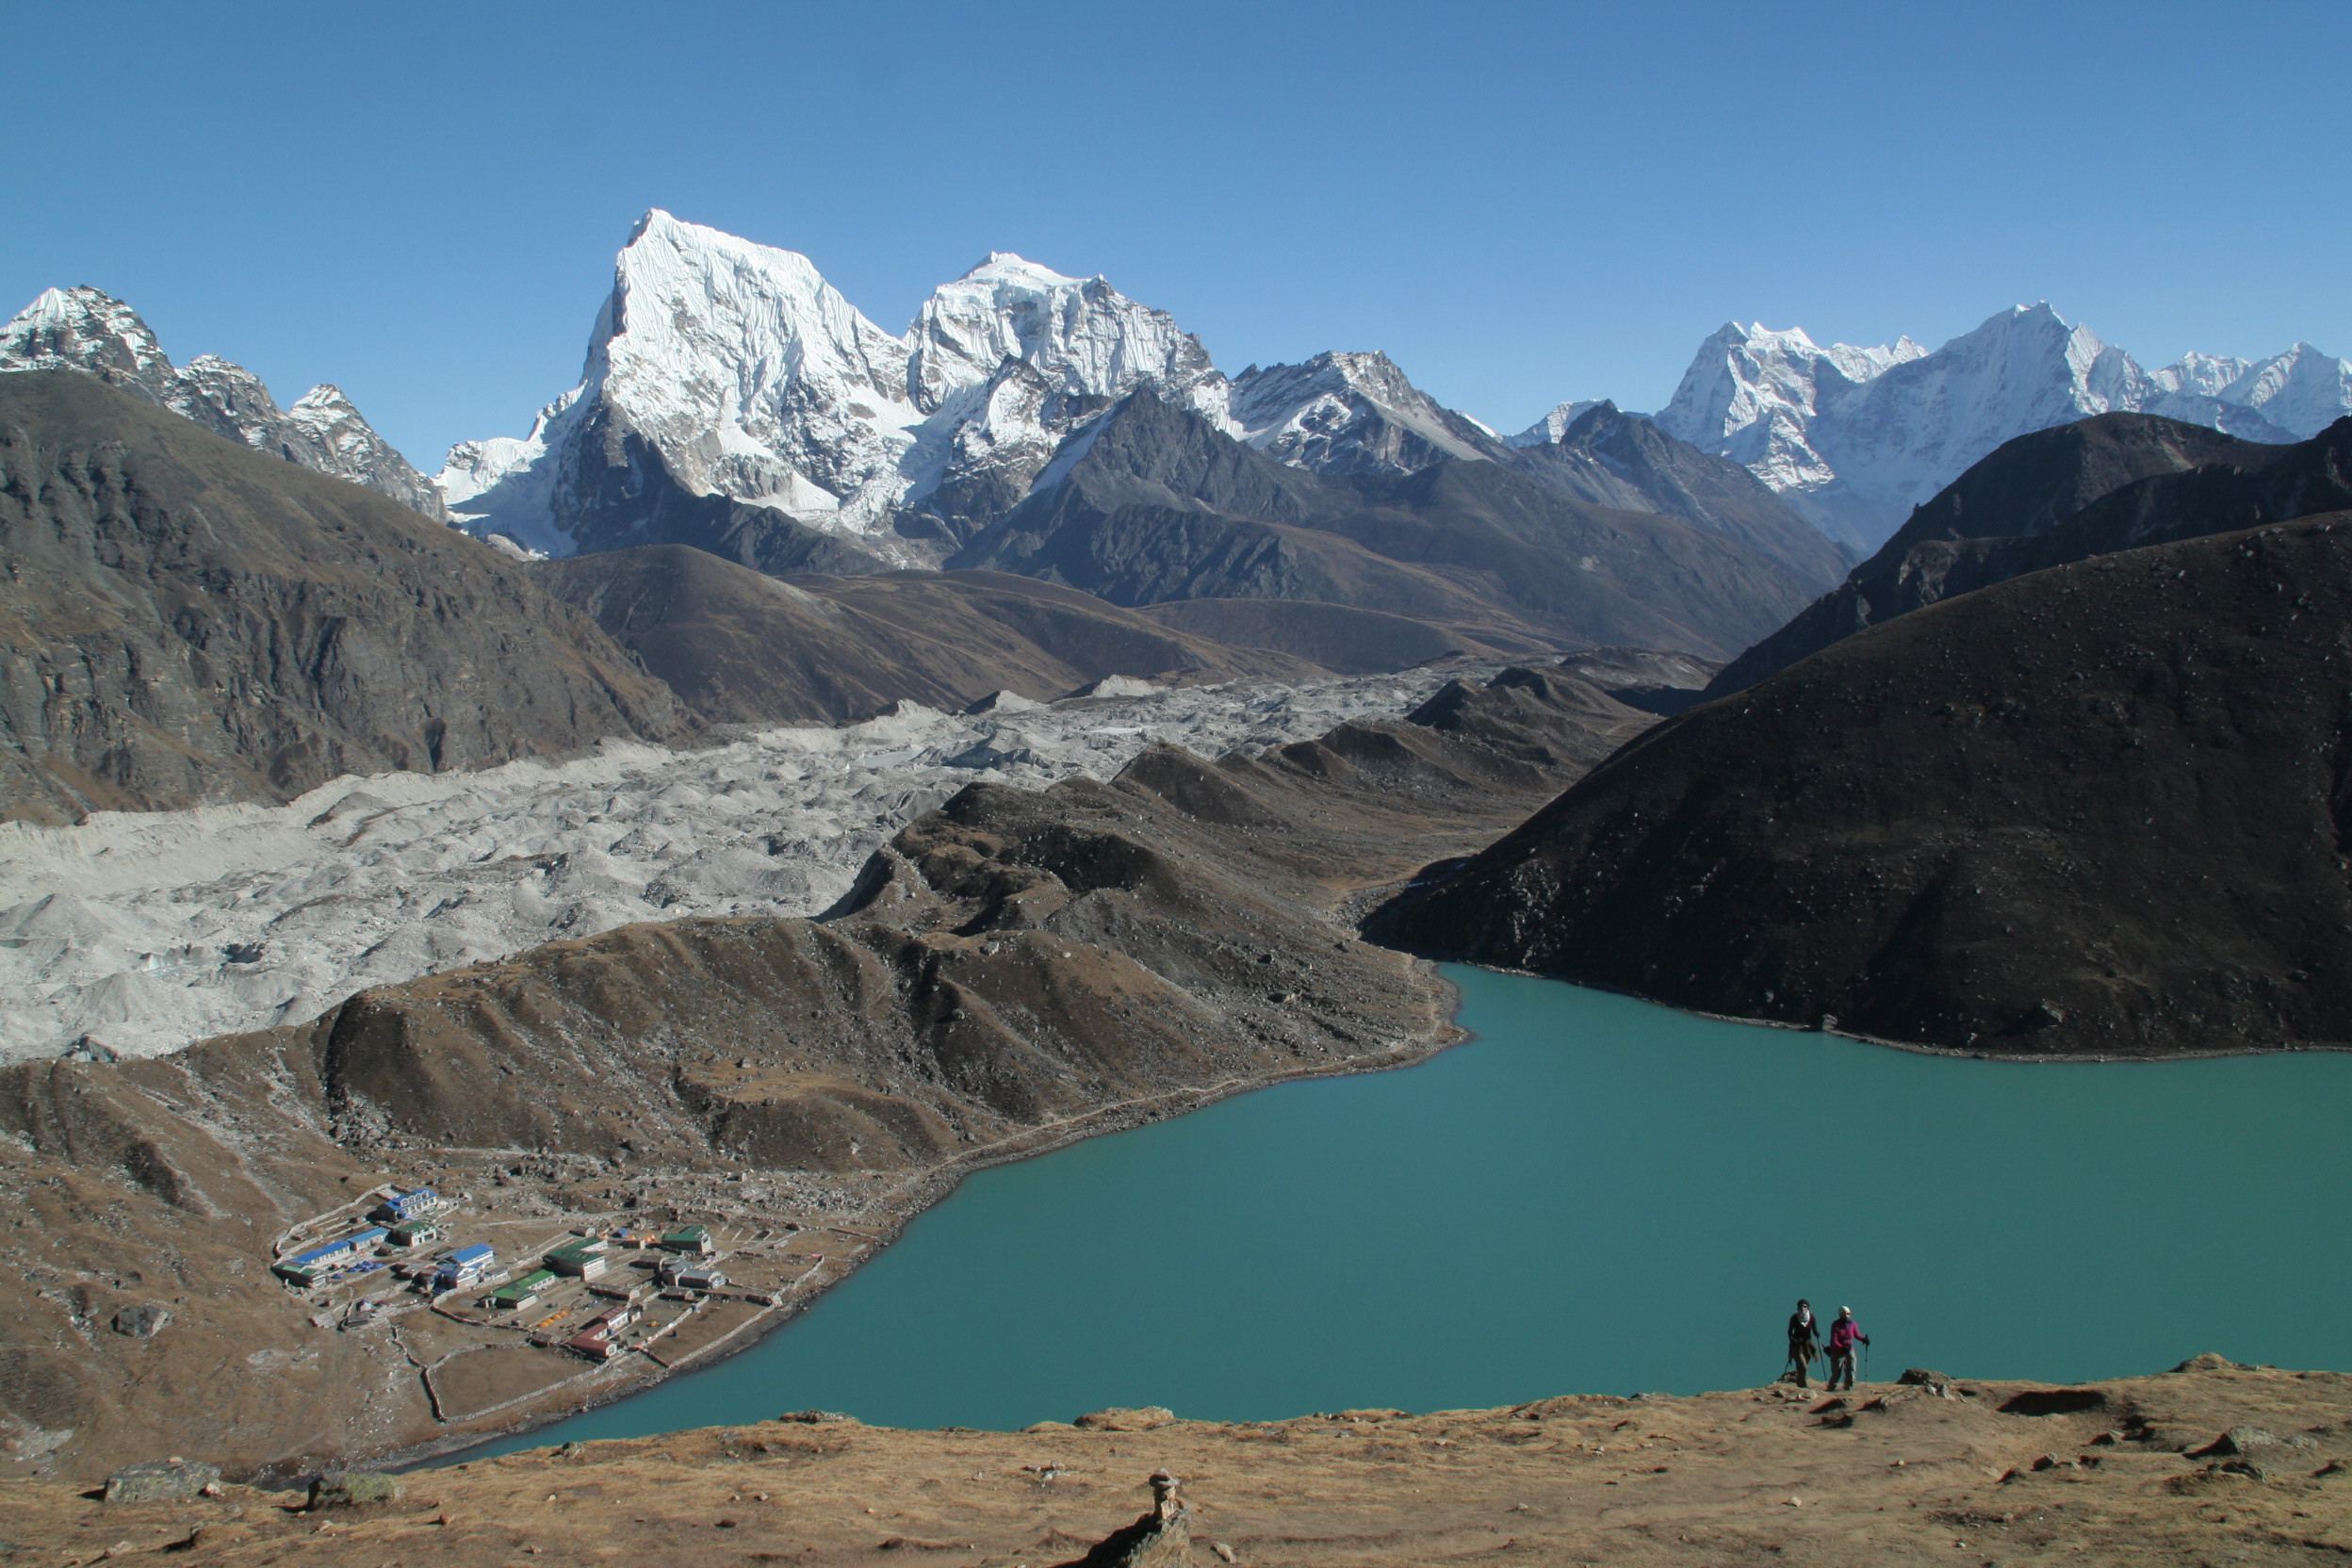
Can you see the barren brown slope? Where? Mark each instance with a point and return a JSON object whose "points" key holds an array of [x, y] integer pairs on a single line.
{"points": [[742, 647], [2103, 810], [1015, 969], [186, 620], [2214, 1463]]}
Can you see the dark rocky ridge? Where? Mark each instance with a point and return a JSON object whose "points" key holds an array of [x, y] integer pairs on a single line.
{"points": [[742, 647], [184, 620], [2100, 809], [1612, 459], [2106, 483], [1158, 505], [1014, 968]]}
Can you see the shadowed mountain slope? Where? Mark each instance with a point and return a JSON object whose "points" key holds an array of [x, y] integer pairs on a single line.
{"points": [[1608, 458], [742, 647], [2066, 493], [186, 620], [2099, 810], [1154, 504], [1339, 637]]}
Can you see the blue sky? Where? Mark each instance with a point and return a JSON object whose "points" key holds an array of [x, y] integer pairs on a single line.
{"points": [[1520, 203]]}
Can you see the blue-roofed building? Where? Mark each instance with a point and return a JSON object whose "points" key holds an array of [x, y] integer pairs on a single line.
{"points": [[304, 1268], [463, 1267], [414, 1205]]}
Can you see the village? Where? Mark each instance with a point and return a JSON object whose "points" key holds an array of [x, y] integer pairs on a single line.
{"points": [[601, 1302]]}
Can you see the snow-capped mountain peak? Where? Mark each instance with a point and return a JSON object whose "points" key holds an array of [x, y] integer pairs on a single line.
{"points": [[750, 373], [1350, 413], [86, 329], [89, 330], [1857, 436], [1547, 430], [1084, 335], [750, 377]]}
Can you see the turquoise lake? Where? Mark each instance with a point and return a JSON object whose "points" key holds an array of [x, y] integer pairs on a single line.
{"points": [[1595, 1194]]}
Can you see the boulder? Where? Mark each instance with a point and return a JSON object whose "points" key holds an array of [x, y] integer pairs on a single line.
{"points": [[167, 1480], [143, 1321]]}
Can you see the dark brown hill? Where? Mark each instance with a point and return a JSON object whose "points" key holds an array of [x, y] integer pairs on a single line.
{"points": [[2111, 482], [2099, 809], [1620, 460], [1154, 504], [742, 647], [186, 620]]}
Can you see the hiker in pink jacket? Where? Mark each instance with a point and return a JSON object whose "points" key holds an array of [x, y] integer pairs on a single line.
{"points": [[1843, 1336]]}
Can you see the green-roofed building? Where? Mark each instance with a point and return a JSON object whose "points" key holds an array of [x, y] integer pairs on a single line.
{"points": [[517, 1294], [695, 1239], [584, 1259]]}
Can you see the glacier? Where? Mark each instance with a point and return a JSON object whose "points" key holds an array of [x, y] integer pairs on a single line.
{"points": [[134, 933]]}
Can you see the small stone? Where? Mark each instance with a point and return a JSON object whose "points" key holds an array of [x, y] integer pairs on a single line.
{"points": [[351, 1488]]}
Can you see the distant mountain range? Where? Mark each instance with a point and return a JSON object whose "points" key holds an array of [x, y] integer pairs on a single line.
{"points": [[1857, 437], [733, 398]]}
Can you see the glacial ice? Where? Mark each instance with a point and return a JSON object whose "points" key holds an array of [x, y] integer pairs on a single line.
{"points": [[143, 932]]}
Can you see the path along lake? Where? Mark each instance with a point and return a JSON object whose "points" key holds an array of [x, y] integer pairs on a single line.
{"points": [[1595, 1194]]}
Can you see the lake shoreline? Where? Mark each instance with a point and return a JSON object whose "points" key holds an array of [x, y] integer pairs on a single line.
{"points": [[920, 1194]]}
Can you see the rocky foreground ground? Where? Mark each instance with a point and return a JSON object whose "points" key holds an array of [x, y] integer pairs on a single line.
{"points": [[2211, 1464]]}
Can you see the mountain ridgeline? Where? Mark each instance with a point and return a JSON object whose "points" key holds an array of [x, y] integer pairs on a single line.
{"points": [[90, 331], [186, 620], [2103, 808], [2107, 483], [1152, 503]]}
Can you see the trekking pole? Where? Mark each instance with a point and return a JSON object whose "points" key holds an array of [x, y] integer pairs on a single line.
{"points": [[1866, 1360]]}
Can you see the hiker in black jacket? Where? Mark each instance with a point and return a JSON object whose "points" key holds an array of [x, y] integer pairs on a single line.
{"points": [[1805, 1342]]}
